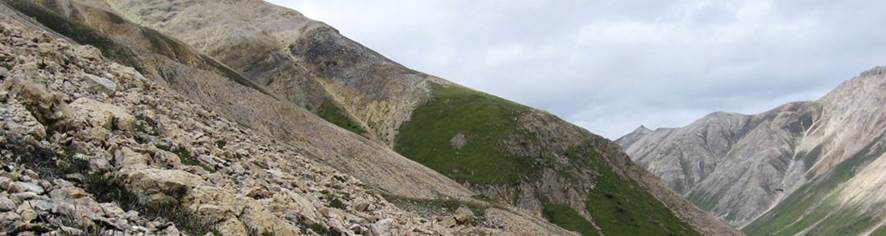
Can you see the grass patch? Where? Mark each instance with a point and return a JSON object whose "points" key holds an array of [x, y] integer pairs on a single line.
{"points": [[483, 119], [619, 207], [880, 231], [568, 218], [335, 115]]}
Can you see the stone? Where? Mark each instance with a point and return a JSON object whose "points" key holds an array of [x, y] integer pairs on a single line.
{"points": [[4, 73], [458, 141], [99, 84], [6, 204], [447, 221], [464, 216], [26, 212], [20, 187], [383, 227], [171, 183], [126, 158], [104, 115]]}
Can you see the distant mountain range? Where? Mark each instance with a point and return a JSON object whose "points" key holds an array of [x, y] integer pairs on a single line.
{"points": [[804, 168]]}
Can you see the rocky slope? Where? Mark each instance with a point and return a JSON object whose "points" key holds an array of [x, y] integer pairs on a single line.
{"points": [[505, 151], [90, 145], [279, 73], [786, 171]]}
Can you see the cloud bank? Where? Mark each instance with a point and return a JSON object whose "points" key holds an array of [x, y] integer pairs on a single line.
{"points": [[612, 65]]}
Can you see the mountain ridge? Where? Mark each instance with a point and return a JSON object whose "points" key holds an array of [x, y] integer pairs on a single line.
{"points": [[797, 149]]}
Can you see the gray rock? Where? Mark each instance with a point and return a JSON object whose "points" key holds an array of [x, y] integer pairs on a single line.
{"points": [[4, 73], [19, 187], [383, 227], [464, 216], [6, 204], [100, 84]]}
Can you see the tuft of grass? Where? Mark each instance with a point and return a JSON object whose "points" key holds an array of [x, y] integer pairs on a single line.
{"points": [[335, 115], [221, 143], [184, 155], [484, 120], [567, 218], [146, 125]]}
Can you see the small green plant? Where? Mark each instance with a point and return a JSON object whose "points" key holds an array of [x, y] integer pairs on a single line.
{"points": [[184, 155], [221, 143], [146, 125]]}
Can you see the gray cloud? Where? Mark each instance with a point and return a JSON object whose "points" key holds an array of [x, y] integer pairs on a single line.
{"points": [[611, 65]]}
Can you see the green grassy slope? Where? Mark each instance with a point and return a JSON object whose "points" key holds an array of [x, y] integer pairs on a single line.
{"points": [[812, 204], [568, 218], [483, 119], [617, 205], [624, 209]]}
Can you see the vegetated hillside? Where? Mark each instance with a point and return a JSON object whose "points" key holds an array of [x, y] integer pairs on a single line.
{"points": [[802, 168], [256, 117], [506, 152]]}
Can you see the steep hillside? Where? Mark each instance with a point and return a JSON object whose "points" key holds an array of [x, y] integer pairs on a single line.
{"points": [[277, 125], [504, 151], [786, 171], [93, 147]]}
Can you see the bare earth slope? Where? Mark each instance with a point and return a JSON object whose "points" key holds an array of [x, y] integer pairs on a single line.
{"points": [[796, 165], [499, 149]]}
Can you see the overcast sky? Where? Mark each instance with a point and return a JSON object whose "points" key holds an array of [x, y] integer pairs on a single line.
{"points": [[612, 65]]}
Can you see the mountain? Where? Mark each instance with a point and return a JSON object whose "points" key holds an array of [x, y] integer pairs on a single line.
{"points": [[428, 154], [801, 168]]}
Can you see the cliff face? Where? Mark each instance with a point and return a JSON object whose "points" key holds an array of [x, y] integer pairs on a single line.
{"points": [[796, 158], [422, 142]]}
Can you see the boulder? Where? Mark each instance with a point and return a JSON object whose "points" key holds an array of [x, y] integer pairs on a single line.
{"points": [[99, 114], [99, 84], [385, 227], [464, 216], [160, 186]]}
